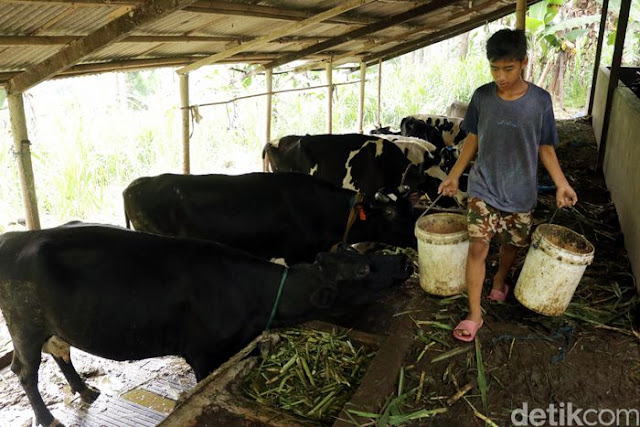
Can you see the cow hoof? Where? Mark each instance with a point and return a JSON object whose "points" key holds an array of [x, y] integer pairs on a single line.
{"points": [[89, 395]]}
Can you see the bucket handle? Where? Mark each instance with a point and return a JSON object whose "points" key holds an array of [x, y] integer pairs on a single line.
{"points": [[575, 213], [431, 205]]}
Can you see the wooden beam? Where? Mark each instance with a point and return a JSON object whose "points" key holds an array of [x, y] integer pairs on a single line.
{"points": [[521, 14], [363, 76], [369, 29], [185, 113], [436, 37], [269, 101], [621, 30], [391, 41], [329, 72], [257, 11], [596, 65], [115, 30], [21, 146], [288, 29]]}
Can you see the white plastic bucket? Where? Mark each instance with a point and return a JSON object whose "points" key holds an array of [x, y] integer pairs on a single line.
{"points": [[443, 242], [553, 268]]}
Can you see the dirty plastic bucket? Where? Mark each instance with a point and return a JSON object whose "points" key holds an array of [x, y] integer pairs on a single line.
{"points": [[443, 242], [553, 268]]}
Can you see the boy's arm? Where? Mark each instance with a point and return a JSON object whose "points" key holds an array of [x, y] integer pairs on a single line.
{"points": [[449, 186], [565, 195]]}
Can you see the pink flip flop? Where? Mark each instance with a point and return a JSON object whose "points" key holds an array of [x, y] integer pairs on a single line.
{"points": [[496, 295], [467, 325]]}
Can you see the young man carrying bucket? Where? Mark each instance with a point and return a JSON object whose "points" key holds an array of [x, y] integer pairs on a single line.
{"points": [[510, 123]]}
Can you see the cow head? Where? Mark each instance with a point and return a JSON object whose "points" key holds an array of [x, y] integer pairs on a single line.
{"points": [[387, 217], [358, 279]]}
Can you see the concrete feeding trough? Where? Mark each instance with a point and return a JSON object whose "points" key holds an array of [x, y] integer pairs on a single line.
{"points": [[223, 397]]}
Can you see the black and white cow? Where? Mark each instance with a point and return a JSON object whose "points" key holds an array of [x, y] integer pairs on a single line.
{"points": [[283, 215], [125, 295], [441, 131], [363, 163]]}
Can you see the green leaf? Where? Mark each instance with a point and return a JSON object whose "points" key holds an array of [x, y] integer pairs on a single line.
{"points": [[611, 38], [534, 25], [574, 34]]}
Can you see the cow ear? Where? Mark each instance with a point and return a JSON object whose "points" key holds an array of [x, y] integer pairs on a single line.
{"points": [[324, 297]]}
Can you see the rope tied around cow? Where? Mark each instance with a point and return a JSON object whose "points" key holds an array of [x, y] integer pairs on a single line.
{"points": [[277, 301], [356, 209]]}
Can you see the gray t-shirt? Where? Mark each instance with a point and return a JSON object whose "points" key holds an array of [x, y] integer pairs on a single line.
{"points": [[509, 134]]}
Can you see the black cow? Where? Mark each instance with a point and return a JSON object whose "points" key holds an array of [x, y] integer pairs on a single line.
{"points": [[363, 163], [126, 295], [285, 215]]}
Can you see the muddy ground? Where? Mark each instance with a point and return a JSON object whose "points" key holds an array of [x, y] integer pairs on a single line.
{"points": [[589, 357]]}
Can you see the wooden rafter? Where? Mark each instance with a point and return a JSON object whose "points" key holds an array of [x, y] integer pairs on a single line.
{"points": [[282, 32], [369, 29], [115, 30], [390, 41], [438, 36]]}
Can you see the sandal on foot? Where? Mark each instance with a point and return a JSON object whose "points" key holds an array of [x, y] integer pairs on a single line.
{"points": [[469, 326], [496, 295]]}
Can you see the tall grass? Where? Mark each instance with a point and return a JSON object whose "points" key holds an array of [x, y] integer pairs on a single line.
{"points": [[91, 136]]}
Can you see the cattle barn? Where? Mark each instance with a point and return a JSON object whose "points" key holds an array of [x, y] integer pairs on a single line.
{"points": [[41, 40]]}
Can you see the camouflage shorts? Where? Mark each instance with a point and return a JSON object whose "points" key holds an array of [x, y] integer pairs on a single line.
{"points": [[486, 221]]}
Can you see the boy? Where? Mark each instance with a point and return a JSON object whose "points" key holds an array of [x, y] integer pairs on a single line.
{"points": [[510, 124]]}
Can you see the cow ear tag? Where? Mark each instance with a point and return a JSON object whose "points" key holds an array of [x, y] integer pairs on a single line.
{"points": [[361, 214]]}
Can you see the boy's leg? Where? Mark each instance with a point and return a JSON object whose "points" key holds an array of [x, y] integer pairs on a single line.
{"points": [[476, 272], [508, 254], [482, 226]]}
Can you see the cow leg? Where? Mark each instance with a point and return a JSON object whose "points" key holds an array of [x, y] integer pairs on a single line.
{"points": [[87, 394], [25, 365]]}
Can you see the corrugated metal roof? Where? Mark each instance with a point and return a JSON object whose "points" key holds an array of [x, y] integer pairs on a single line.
{"points": [[33, 31]]}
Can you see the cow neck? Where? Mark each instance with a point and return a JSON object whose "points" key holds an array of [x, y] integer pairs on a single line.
{"points": [[277, 301], [357, 198]]}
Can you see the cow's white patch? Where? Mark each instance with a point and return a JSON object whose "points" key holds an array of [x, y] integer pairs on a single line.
{"points": [[436, 172], [347, 181], [314, 169], [57, 347], [448, 136], [279, 261]]}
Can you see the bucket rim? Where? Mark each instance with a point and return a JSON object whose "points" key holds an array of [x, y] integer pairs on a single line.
{"points": [[586, 255], [460, 235]]}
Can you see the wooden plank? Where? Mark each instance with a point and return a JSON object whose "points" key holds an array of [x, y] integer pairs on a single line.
{"points": [[288, 29], [115, 30], [369, 29], [379, 381], [184, 109], [596, 64], [21, 146]]}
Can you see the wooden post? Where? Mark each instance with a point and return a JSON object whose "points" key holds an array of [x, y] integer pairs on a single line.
{"points": [[21, 145], [379, 92], [363, 76], [184, 108], [329, 70], [269, 81], [623, 19], [521, 14], [596, 65]]}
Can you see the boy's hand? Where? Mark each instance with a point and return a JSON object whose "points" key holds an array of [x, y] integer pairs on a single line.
{"points": [[448, 187], [566, 196]]}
